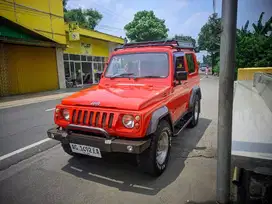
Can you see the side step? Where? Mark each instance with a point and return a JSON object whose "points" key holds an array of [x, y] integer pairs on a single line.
{"points": [[181, 125]]}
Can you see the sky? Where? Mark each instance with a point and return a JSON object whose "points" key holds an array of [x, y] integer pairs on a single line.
{"points": [[181, 16]]}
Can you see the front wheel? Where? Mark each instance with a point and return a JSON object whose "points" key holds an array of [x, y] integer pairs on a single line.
{"points": [[67, 149], [195, 112], [154, 160]]}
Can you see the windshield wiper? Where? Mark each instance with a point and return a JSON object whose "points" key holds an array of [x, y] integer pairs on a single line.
{"points": [[121, 75], [150, 76]]}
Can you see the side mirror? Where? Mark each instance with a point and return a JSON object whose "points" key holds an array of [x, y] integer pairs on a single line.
{"points": [[181, 75]]}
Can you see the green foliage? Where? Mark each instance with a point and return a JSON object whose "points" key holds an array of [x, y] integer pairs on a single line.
{"points": [[88, 18], [209, 37], [216, 68], [254, 49], [207, 60], [261, 29], [64, 3], [185, 38], [146, 27]]}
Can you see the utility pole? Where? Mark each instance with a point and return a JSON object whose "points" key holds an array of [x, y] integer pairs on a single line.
{"points": [[225, 104]]}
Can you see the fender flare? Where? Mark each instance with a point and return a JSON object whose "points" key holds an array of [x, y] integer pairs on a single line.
{"points": [[195, 91], [157, 115]]}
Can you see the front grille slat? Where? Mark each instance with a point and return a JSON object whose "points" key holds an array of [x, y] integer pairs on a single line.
{"points": [[74, 116], [92, 118], [85, 117], [79, 116], [97, 115], [110, 120], [104, 116]]}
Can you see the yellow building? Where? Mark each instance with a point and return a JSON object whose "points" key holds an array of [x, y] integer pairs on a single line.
{"points": [[86, 53], [33, 39]]}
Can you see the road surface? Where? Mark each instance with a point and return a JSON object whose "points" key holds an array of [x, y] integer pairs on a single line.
{"points": [[24, 125], [54, 177]]}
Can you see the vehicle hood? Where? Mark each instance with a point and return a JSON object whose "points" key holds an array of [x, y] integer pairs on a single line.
{"points": [[125, 96]]}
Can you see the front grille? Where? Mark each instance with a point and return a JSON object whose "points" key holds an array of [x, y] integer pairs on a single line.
{"points": [[92, 118]]}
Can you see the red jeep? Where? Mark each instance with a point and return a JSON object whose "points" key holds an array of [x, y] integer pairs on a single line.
{"points": [[147, 94]]}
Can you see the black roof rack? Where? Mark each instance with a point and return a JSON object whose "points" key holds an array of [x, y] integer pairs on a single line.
{"points": [[172, 43]]}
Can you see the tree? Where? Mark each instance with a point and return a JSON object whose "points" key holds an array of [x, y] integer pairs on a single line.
{"points": [[261, 29], [146, 27], [209, 37], [88, 18], [254, 48], [207, 60], [64, 3], [185, 38]]}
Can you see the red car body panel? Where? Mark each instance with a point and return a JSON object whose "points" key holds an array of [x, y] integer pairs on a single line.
{"points": [[140, 97]]}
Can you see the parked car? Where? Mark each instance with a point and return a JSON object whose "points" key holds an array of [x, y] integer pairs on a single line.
{"points": [[203, 67], [148, 94]]}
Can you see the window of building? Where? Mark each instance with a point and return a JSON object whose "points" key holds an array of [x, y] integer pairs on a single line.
{"points": [[83, 69], [190, 62]]}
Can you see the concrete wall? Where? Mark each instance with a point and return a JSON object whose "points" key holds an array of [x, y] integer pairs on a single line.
{"points": [[60, 67]]}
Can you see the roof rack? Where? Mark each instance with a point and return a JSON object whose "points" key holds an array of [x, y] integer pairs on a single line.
{"points": [[171, 43]]}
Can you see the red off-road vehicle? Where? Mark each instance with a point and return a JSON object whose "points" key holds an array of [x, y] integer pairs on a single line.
{"points": [[148, 93]]}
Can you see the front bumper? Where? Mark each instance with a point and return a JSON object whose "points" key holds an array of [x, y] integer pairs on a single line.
{"points": [[105, 144]]}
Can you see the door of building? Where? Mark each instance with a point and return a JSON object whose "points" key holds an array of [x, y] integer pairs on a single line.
{"points": [[76, 73]]}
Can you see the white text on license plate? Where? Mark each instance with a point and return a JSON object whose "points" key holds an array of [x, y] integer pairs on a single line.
{"points": [[87, 150]]}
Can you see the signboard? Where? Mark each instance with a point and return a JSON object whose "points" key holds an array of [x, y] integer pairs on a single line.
{"points": [[85, 49], [74, 31]]}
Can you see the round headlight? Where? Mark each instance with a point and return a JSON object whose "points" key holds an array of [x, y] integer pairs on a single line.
{"points": [[66, 114], [128, 121]]}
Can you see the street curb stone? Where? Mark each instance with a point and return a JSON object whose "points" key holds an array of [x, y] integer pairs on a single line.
{"points": [[14, 159]]}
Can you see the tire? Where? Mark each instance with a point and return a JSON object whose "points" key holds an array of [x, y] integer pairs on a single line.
{"points": [[195, 113], [66, 147], [149, 160]]}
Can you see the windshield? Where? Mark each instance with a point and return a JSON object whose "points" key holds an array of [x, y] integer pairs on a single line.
{"points": [[139, 65]]}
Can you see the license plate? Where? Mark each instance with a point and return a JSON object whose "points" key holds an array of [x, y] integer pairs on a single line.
{"points": [[87, 150]]}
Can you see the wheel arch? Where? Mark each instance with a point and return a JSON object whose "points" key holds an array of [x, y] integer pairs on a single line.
{"points": [[195, 91], [159, 114]]}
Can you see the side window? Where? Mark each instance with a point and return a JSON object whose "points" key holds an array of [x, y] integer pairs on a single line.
{"points": [[180, 63], [190, 62]]}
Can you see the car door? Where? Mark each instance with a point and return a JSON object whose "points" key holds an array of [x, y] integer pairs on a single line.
{"points": [[193, 77], [179, 93]]}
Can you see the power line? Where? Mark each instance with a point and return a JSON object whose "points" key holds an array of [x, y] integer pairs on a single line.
{"points": [[110, 27], [111, 12]]}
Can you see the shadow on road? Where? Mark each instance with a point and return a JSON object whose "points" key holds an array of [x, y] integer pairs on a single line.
{"points": [[121, 171]]}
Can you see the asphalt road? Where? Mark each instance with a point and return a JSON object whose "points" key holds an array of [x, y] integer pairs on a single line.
{"points": [[54, 177], [24, 125]]}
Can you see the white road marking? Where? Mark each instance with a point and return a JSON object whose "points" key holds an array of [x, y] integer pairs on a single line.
{"points": [[202, 78], [23, 149], [50, 109]]}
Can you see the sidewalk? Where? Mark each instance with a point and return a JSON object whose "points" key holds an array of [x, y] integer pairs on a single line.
{"points": [[24, 99]]}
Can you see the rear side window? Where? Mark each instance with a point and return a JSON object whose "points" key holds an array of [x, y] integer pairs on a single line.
{"points": [[180, 63], [190, 62]]}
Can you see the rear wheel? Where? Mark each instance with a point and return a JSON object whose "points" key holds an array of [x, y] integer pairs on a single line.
{"points": [[195, 112], [154, 160]]}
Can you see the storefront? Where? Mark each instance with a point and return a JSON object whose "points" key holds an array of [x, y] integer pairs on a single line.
{"points": [[28, 61], [84, 69], [32, 40], [86, 54]]}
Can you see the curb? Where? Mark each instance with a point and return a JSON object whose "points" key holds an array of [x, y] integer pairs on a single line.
{"points": [[21, 102], [14, 159]]}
